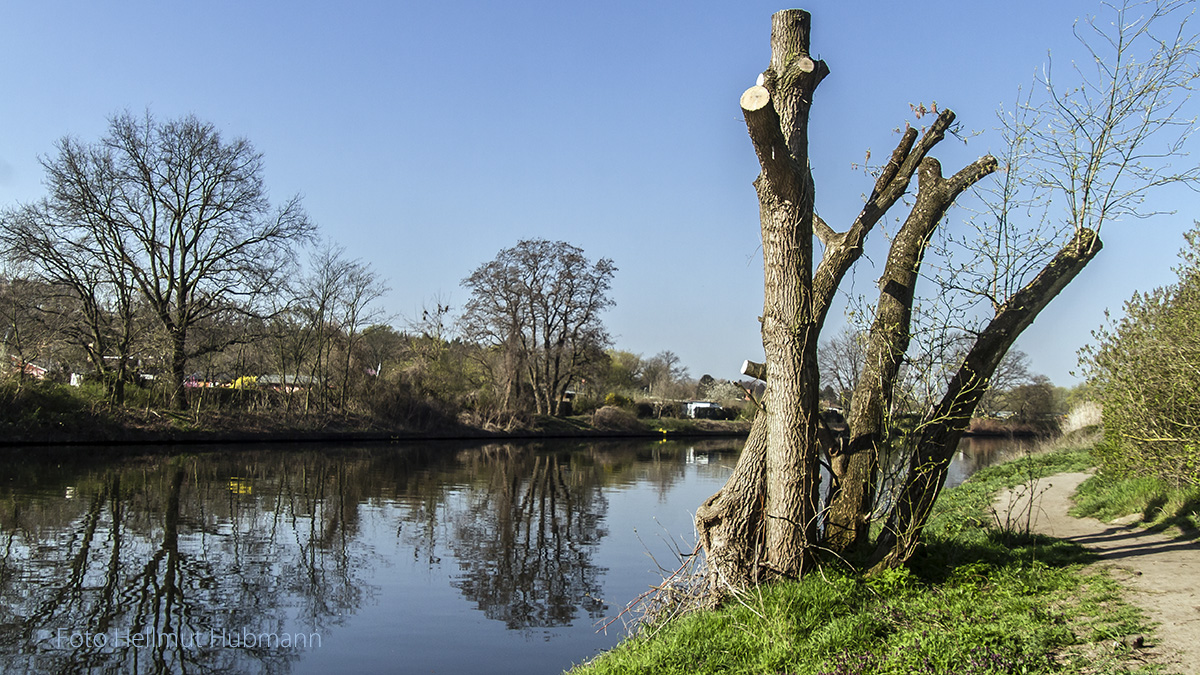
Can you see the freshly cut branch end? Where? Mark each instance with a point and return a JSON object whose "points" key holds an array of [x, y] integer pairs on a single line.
{"points": [[756, 370], [756, 98]]}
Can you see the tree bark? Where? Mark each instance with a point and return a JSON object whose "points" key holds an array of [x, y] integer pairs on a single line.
{"points": [[766, 515], [777, 118], [730, 524], [178, 369]]}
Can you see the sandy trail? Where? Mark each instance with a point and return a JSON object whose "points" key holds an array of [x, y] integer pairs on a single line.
{"points": [[1163, 572]]}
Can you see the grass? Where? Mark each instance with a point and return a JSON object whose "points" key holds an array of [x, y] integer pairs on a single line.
{"points": [[1159, 505], [684, 425], [978, 600]]}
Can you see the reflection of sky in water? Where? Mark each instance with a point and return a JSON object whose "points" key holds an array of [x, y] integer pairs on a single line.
{"points": [[500, 559]]}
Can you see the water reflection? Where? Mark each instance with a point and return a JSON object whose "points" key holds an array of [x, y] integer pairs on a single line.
{"points": [[525, 539], [170, 566], [977, 452], [336, 559], [243, 562]]}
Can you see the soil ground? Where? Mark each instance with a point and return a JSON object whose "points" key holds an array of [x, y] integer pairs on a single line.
{"points": [[1162, 572]]}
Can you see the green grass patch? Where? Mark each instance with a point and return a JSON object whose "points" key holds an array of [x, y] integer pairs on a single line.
{"points": [[1159, 505], [977, 601], [984, 618]]}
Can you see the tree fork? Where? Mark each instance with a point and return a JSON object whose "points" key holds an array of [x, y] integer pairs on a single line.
{"points": [[844, 249]]}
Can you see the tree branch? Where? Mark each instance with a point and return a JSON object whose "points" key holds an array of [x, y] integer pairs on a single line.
{"points": [[762, 121], [940, 435], [889, 187]]}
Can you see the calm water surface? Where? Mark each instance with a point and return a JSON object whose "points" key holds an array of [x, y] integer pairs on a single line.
{"points": [[442, 558]]}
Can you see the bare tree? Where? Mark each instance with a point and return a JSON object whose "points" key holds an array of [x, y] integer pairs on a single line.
{"points": [[356, 309], [539, 303], [1012, 373], [768, 521], [840, 359], [665, 374], [182, 213], [96, 300], [334, 302]]}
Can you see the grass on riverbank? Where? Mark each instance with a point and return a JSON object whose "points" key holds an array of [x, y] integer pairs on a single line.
{"points": [[979, 600], [1160, 506]]}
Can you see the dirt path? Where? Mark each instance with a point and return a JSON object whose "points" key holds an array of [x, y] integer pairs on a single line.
{"points": [[1163, 572]]}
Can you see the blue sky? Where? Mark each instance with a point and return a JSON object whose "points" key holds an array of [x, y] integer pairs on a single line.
{"points": [[425, 137]]}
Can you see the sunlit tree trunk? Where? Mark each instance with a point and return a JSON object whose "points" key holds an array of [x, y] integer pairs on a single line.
{"points": [[766, 521]]}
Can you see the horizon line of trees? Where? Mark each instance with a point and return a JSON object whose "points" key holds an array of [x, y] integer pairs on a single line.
{"points": [[324, 348], [156, 258]]}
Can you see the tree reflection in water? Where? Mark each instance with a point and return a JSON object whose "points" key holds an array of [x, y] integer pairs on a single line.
{"points": [[176, 551], [525, 534], [290, 542]]}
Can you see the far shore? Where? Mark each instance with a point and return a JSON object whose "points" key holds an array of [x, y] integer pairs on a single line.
{"points": [[259, 431]]}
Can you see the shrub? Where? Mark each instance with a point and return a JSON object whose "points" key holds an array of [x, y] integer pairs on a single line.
{"points": [[35, 407], [612, 418], [584, 405], [1143, 370], [618, 401], [398, 404]]}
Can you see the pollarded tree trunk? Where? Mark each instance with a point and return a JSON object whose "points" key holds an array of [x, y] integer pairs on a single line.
{"points": [[776, 115], [765, 521]]}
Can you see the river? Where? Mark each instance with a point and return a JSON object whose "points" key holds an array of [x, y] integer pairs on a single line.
{"points": [[418, 558]]}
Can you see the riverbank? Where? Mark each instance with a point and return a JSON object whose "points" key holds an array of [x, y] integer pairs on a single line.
{"points": [[983, 597], [56, 416]]}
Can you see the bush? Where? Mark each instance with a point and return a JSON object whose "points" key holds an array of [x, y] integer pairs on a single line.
{"points": [[584, 405], [398, 404], [38, 407], [1143, 370], [612, 418], [618, 401]]}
